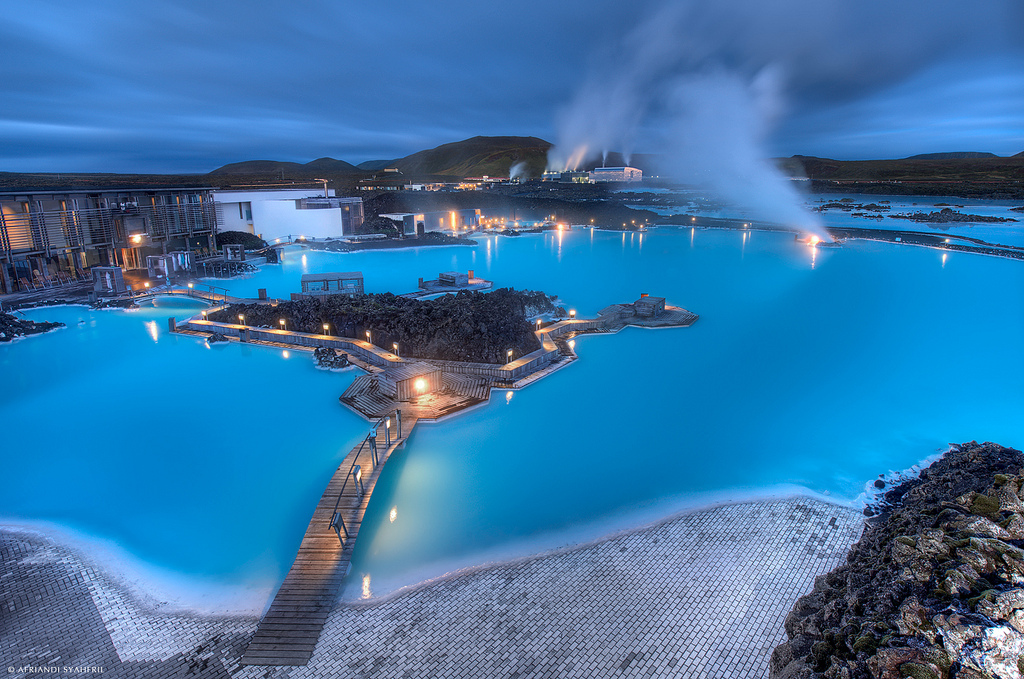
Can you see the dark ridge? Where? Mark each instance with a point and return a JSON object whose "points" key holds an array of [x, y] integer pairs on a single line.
{"points": [[955, 155]]}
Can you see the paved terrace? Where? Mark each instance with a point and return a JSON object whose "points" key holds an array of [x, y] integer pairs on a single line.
{"points": [[701, 595]]}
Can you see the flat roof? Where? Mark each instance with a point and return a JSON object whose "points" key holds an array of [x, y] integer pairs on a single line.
{"points": [[331, 276], [648, 298]]}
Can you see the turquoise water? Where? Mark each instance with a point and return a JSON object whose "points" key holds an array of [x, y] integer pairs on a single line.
{"points": [[815, 369], [819, 370], [202, 461]]}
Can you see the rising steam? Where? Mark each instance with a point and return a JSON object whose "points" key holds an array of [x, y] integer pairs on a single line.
{"points": [[520, 169], [711, 120]]}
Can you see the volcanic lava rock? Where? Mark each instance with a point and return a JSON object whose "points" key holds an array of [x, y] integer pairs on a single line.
{"points": [[934, 588], [216, 337], [467, 326], [12, 327], [330, 359]]}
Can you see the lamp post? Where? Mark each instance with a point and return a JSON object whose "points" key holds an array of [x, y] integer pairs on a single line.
{"points": [[508, 354], [358, 473], [572, 314], [204, 314], [190, 289], [368, 340], [326, 326], [394, 345], [283, 325], [241, 319], [538, 325]]}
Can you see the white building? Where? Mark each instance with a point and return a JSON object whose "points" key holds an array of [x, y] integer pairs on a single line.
{"points": [[616, 174], [288, 213]]}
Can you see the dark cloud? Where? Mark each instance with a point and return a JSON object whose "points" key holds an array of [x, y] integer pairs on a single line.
{"points": [[183, 86]]}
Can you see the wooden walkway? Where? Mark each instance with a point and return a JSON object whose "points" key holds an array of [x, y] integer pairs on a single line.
{"points": [[291, 627]]}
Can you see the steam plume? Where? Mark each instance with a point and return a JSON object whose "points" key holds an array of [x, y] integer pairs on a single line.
{"points": [[704, 83]]}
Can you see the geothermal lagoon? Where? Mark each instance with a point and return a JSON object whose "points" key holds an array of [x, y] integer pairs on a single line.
{"points": [[810, 371]]}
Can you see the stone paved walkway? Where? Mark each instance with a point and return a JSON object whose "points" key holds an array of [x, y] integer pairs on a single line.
{"points": [[701, 595]]}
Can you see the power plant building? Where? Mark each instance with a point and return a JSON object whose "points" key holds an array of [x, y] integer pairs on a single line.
{"points": [[616, 174]]}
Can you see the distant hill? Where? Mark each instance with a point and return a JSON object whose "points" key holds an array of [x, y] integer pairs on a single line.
{"points": [[330, 165], [956, 155], [492, 156], [992, 176], [373, 165], [257, 167]]}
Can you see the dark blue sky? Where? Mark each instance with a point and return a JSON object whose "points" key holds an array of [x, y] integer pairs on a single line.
{"points": [[173, 86]]}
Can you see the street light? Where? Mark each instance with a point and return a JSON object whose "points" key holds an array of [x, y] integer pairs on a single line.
{"points": [[204, 314], [572, 314], [241, 319], [394, 345], [368, 337], [283, 326], [538, 324], [326, 325], [509, 355]]}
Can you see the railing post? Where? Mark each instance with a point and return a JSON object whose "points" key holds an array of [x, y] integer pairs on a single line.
{"points": [[398, 424], [373, 451]]}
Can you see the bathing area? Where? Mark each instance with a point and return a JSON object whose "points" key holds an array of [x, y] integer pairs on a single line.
{"points": [[652, 508]]}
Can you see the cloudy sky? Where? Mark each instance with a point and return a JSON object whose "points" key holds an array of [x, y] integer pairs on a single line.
{"points": [[176, 86]]}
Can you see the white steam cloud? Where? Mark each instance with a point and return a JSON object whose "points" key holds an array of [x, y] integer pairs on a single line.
{"points": [[518, 170], [711, 120]]}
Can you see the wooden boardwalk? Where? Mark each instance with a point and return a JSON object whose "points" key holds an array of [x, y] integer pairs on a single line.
{"points": [[291, 627]]}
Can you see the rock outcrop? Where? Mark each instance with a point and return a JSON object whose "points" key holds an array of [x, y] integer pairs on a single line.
{"points": [[12, 327], [330, 359], [467, 326], [934, 589]]}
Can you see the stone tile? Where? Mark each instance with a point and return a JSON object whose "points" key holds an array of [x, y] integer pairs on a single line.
{"points": [[700, 595]]}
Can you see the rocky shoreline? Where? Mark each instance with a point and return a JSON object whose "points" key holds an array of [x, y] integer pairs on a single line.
{"points": [[12, 327], [934, 589]]}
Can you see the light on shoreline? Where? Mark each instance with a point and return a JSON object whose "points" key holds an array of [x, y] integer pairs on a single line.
{"points": [[508, 396], [394, 514], [814, 240], [366, 587]]}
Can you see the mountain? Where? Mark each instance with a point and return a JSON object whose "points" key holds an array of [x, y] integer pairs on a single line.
{"points": [[956, 155], [257, 167], [330, 165], [492, 156], [373, 165], [250, 167]]}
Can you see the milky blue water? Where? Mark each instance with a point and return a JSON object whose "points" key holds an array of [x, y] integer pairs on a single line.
{"points": [[815, 369], [692, 202]]}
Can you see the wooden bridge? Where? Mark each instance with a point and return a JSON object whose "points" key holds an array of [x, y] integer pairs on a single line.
{"points": [[291, 627]]}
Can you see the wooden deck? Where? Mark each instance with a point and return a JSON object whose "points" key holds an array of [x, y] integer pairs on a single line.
{"points": [[291, 627]]}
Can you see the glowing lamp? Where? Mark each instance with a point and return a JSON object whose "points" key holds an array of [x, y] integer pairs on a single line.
{"points": [[146, 284], [282, 323], [241, 318], [190, 286], [420, 384], [572, 314], [325, 328], [815, 240]]}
